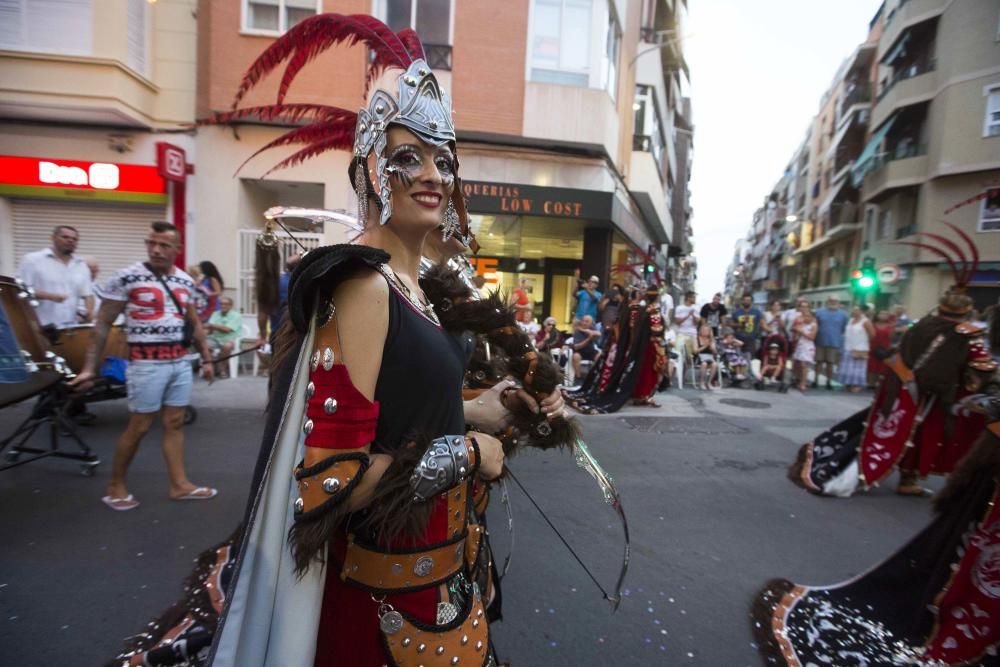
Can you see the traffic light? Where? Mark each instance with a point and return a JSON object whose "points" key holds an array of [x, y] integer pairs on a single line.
{"points": [[650, 267], [865, 279]]}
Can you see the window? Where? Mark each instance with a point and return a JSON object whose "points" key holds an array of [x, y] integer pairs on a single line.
{"points": [[137, 55], [560, 42], [648, 125], [49, 26], [885, 224], [612, 49], [274, 17], [430, 18], [989, 213], [991, 126]]}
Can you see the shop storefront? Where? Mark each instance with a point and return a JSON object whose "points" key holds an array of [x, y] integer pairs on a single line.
{"points": [[550, 237], [111, 204]]}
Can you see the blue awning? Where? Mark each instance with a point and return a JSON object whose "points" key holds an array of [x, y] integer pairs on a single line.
{"points": [[865, 161]]}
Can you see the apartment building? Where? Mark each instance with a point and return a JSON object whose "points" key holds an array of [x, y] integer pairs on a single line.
{"points": [[935, 142], [573, 120], [907, 131], [96, 107]]}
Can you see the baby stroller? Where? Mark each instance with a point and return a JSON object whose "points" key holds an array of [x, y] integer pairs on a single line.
{"points": [[773, 359]]}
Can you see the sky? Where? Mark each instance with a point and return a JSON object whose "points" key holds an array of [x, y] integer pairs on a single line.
{"points": [[758, 71]]}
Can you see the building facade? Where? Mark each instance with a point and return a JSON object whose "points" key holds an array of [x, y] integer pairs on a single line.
{"points": [[96, 107], [907, 130], [572, 118]]}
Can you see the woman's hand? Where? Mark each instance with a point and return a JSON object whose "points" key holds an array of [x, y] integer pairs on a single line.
{"points": [[552, 405], [487, 411], [490, 455]]}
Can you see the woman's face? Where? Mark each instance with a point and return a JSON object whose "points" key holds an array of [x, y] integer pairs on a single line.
{"points": [[422, 178], [855, 312]]}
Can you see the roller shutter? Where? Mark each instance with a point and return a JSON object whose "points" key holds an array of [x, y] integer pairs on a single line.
{"points": [[112, 233]]}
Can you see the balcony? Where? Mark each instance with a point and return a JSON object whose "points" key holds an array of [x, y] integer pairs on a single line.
{"points": [[906, 15], [912, 85], [860, 94], [900, 169]]}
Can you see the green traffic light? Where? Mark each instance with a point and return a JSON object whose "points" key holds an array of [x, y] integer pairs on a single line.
{"points": [[866, 282]]}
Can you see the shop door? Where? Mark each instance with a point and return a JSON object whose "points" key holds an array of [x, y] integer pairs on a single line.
{"points": [[111, 233], [561, 278]]}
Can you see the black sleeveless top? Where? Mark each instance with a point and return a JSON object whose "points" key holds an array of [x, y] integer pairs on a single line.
{"points": [[419, 387]]}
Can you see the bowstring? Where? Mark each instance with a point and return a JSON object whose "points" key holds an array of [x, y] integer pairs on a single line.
{"points": [[558, 534]]}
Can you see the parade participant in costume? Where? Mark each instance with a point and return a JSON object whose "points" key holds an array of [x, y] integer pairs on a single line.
{"points": [[633, 363], [934, 602], [914, 421], [367, 553]]}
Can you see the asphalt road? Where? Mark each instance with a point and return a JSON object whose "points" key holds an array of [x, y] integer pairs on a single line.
{"points": [[711, 513]]}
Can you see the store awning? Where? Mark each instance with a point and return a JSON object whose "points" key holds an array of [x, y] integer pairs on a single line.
{"points": [[865, 161]]}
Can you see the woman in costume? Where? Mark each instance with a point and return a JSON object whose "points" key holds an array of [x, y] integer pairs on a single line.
{"points": [[915, 421], [935, 602]]}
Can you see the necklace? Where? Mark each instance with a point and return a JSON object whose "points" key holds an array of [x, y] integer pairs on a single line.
{"points": [[423, 307]]}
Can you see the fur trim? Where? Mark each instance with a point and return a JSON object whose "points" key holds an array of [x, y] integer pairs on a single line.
{"points": [[392, 512], [762, 609], [795, 469]]}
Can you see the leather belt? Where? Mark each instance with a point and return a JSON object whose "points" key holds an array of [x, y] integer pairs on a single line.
{"points": [[398, 572]]}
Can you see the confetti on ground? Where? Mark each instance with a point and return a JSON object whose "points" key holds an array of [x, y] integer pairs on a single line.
{"points": [[65, 627]]}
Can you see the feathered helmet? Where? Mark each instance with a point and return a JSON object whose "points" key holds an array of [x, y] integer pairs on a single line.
{"points": [[400, 89], [954, 302]]}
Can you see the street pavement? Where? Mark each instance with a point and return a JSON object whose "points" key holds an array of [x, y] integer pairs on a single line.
{"points": [[702, 478]]}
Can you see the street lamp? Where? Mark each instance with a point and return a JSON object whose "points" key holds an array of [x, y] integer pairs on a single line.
{"points": [[791, 218]]}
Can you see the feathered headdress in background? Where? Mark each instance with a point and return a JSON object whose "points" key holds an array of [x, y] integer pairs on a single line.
{"points": [[963, 266]]}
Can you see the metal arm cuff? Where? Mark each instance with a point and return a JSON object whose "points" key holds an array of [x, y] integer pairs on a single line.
{"points": [[445, 463]]}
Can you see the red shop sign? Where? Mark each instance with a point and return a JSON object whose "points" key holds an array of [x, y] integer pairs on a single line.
{"points": [[171, 162], [50, 177]]}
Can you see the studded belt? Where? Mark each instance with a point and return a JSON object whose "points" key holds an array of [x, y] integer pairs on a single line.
{"points": [[383, 572]]}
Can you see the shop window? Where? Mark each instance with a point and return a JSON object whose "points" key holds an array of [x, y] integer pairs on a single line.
{"points": [[989, 212], [432, 21], [48, 26], [991, 124], [560, 42], [274, 17]]}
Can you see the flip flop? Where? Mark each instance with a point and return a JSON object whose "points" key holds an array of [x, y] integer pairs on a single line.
{"points": [[121, 504], [914, 490], [201, 493]]}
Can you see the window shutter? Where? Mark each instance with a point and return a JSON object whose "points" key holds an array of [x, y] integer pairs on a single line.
{"points": [[136, 56]]}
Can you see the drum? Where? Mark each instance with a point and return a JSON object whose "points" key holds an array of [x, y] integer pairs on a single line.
{"points": [[73, 342], [26, 356]]}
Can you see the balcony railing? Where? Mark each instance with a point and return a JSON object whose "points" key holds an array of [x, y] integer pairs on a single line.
{"points": [[861, 93], [909, 72], [438, 56], [902, 151]]}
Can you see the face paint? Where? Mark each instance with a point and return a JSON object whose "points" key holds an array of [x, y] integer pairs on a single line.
{"points": [[406, 163]]}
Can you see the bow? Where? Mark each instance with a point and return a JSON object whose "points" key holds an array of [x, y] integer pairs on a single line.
{"points": [[586, 460]]}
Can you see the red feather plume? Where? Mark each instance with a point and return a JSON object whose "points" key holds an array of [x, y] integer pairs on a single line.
{"points": [[974, 266], [411, 40], [937, 251], [282, 113], [313, 36], [959, 255], [329, 144], [320, 132]]}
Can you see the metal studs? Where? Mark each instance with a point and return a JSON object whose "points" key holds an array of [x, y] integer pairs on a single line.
{"points": [[423, 566], [307, 428], [475, 622], [422, 71], [327, 358], [479, 646], [397, 569], [461, 471], [421, 648], [432, 124], [314, 360], [465, 639], [299, 506], [406, 642], [331, 484], [439, 650], [409, 80], [310, 390], [330, 405], [454, 660], [479, 612], [379, 108]]}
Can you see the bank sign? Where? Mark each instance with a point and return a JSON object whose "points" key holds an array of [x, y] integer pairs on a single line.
{"points": [[512, 199], [75, 179]]}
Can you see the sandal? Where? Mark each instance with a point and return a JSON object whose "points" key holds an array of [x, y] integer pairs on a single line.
{"points": [[913, 490], [200, 493], [121, 504]]}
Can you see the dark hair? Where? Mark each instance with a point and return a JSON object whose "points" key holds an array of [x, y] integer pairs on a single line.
{"points": [[209, 271], [56, 229], [161, 226], [689, 294]]}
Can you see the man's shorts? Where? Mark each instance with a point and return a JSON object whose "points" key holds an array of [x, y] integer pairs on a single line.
{"points": [[827, 355], [153, 384], [588, 353]]}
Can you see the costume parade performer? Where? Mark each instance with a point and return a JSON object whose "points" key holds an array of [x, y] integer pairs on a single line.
{"points": [[631, 364], [371, 553], [934, 602], [916, 420]]}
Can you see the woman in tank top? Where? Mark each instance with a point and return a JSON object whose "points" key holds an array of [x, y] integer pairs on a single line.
{"points": [[854, 359]]}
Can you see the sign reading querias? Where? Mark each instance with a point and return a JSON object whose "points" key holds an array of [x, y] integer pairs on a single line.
{"points": [[511, 199]]}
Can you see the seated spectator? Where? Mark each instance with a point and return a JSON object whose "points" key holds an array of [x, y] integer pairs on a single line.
{"points": [[223, 329], [706, 355], [772, 368], [730, 348], [548, 337], [585, 338]]}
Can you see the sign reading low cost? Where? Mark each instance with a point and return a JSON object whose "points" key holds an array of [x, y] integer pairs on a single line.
{"points": [[515, 199], [76, 179]]}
